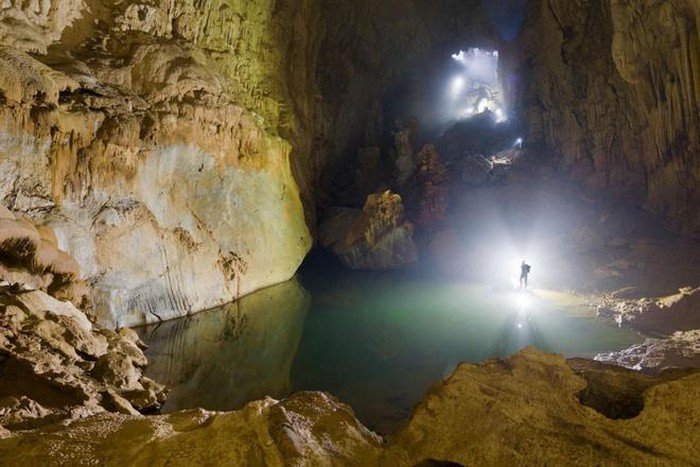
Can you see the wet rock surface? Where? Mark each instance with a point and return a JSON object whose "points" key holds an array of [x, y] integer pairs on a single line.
{"points": [[680, 350], [674, 321]]}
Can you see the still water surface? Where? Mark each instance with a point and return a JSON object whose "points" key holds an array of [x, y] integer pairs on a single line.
{"points": [[376, 341]]}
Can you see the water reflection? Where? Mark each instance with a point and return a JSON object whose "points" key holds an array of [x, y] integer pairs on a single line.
{"points": [[376, 341], [224, 358], [379, 342]]}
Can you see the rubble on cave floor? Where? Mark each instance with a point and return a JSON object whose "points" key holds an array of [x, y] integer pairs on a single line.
{"points": [[55, 364]]}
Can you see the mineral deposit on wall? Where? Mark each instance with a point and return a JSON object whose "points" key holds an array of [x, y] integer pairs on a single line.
{"points": [[160, 155]]}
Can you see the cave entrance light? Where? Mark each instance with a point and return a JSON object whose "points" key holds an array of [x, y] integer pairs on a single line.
{"points": [[476, 88]]}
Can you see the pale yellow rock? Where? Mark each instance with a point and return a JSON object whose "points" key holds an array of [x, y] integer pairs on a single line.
{"points": [[526, 411], [147, 136], [531, 409], [57, 366], [309, 429], [6, 213]]}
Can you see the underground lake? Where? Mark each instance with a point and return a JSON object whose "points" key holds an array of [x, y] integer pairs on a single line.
{"points": [[377, 341]]}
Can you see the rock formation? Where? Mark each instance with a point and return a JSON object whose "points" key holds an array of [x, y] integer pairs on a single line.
{"points": [[680, 350], [376, 237], [673, 320], [431, 176], [55, 365], [533, 408], [614, 87], [662, 316], [31, 260], [404, 163], [154, 150]]}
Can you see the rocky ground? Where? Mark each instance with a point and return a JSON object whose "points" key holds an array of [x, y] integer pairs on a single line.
{"points": [[531, 409], [55, 365]]}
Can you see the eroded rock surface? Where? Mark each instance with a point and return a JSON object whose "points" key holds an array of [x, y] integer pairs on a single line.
{"points": [[309, 428], [153, 150], [674, 320], [531, 409], [680, 350], [527, 410], [377, 237], [664, 315], [30, 259], [55, 365], [614, 88]]}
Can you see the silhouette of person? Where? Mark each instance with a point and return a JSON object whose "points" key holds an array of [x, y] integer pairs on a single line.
{"points": [[524, 271]]}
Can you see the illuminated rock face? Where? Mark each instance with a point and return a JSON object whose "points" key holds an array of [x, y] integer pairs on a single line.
{"points": [[615, 89], [376, 237], [160, 154]]}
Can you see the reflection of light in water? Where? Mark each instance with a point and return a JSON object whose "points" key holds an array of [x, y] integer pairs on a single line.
{"points": [[523, 301]]}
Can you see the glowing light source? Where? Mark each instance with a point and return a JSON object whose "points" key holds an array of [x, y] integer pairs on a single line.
{"points": [[457, 85], [522, 301], [477, 84], [500, 115], [519, 143]]}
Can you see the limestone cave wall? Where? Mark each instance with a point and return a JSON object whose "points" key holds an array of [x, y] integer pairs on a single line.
{"points": [[177, 148], [613, 86], [158, 140]]}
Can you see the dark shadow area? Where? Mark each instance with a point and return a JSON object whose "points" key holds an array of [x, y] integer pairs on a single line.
{"points": [[438, 463], [616, 392]]}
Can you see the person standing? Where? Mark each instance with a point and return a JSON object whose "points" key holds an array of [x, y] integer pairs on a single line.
{"points": [[524, 271]]}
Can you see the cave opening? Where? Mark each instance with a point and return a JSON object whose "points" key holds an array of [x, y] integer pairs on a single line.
{"points": [[444, 90]]}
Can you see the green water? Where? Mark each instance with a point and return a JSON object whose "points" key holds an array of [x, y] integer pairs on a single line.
{"points": [[376, 341]]}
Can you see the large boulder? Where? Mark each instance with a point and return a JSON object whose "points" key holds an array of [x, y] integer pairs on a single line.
{"points": [[538, 409], [376, 237]]}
